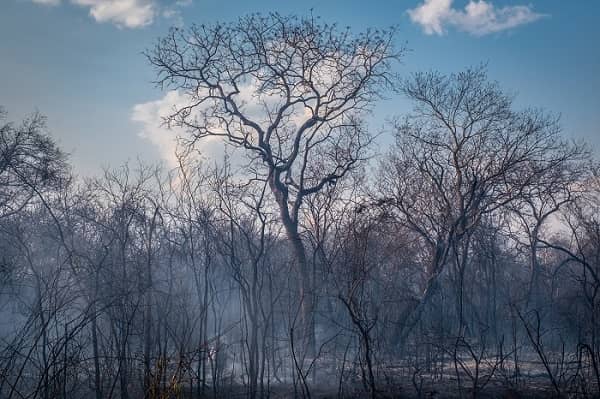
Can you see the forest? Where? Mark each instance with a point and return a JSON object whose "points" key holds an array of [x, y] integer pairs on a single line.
{"points": [[460, 259]]}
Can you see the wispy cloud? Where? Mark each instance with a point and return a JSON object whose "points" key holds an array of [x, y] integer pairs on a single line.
{"points": [[479, 17], [125, 13]]}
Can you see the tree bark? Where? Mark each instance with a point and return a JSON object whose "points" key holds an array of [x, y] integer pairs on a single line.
{"points": [[290, 224]]}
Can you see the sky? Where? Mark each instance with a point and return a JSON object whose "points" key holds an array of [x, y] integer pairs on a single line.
{"points": [[80, 62]]}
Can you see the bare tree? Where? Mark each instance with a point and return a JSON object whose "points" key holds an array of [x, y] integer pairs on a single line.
{"points": [[291, 92], [534, 212], [462, 154], [30, 162]]}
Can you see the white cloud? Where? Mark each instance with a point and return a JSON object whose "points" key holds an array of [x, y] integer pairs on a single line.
{"points": [[430, 15], [253, 100], [150, 116], [479, 17], [126, 13]]}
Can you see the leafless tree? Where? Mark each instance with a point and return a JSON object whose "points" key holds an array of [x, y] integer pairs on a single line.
{"points": [[290, 91], [462, 154], [30, 162]]}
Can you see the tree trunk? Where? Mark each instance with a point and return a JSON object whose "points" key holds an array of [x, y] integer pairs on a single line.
{"points": [[97, 383], [415, 311], [533, 297], [290, 223]]}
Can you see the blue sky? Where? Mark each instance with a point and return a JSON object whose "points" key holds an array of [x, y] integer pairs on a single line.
{"points": [[79, 61]]}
